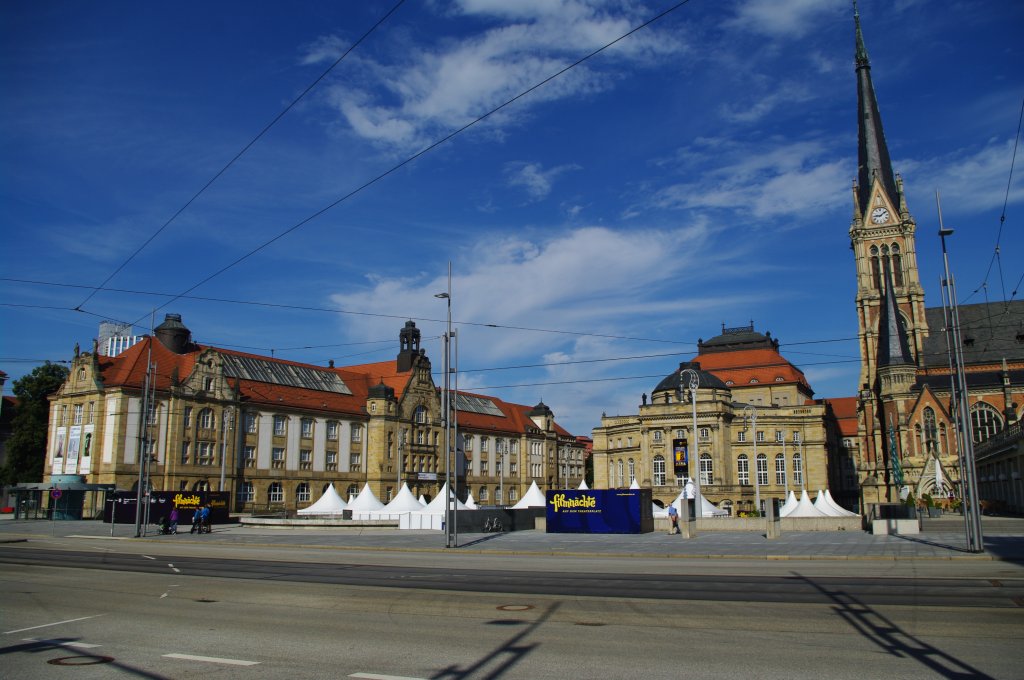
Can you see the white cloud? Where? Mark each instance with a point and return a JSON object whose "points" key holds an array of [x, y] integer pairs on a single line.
{"points": [[785, 18], [444, 85], [784, 179], [788, 94], [967, 179], [534, 178]]}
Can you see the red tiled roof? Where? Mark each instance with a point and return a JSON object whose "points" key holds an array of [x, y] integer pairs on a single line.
{"points": [[845, 411], [743, 366]]}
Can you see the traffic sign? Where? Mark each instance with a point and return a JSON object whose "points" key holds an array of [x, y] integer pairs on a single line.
{"points": [[54, 493]]}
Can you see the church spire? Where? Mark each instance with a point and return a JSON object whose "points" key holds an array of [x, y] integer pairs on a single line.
{"points": [[893, 346], [872, 152]]}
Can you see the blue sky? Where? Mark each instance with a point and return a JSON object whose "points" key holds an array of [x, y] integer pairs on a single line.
{"points": [[695, 174]]}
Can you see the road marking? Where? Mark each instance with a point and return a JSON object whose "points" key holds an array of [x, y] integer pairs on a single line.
{"points": [[174, 568], [47, 625], [377, 676], [212, 659], [148, 557], [62, 643]]}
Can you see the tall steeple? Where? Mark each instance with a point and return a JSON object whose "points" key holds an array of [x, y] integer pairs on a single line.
{"points": [[872, 152], [893, 348]]}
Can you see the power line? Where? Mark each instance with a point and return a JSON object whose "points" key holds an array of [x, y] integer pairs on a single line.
{"points": [[240, 153], [418, 154]]}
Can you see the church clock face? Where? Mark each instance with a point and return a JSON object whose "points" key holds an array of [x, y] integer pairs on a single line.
{"points": [[879, 215]]}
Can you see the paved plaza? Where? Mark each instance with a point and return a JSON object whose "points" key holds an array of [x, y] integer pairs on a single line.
{"points": [[941, 539]]}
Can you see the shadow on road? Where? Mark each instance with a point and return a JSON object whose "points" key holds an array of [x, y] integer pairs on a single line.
{"points": [[75, 656], [893, 639], [502, 659]]}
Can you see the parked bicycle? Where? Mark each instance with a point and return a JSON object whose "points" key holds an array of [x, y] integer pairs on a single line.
{"points": [[492, 524]]}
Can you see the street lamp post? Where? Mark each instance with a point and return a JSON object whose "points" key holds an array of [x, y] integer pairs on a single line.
{"points": [[229, 419], [960, 397], [501, 470], [750, 412], [693, 382], [446, 407]]}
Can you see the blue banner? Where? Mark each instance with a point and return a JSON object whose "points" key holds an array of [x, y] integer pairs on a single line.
{"points": [[604, 511]]}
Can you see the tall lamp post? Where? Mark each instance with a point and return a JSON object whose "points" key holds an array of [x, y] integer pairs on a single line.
{"points": [[961, 411], [450, 538], [750, 412], [693, 382], [229, 419], [502, 445]]}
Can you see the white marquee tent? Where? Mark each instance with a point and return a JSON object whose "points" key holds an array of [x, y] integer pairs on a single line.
{"points": [[328, 504]]}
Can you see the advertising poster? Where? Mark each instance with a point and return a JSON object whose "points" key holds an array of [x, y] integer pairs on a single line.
{"points": [[161, 502], [602, 511], [71, 460], [58, 453], [85, 466], [681, 457]]}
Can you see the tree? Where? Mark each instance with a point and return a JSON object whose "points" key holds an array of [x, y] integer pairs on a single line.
{"points": [[26, 448]]}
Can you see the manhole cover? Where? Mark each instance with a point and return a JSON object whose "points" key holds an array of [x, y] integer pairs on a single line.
{"points": [[515, 607], [90, 660]]}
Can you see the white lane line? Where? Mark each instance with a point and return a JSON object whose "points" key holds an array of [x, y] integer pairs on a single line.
{"points": [[47, 625], [148, 557], [377, 676], [62, 643], [212, 659], [174, 568]]}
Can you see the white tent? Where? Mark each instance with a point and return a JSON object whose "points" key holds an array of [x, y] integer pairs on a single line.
{"points": [[436, 506], [634, 484], [707, 508], [471, 502], [366, 500], [403, 502], [822, 505], [789, 505], [831, 501], [805, 508], [423, 500], [533, 498], [583, 486], [328, 504]]}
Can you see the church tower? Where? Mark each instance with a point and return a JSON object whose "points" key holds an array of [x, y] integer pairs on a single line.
{"points": [[890, 300], [882, 231]]}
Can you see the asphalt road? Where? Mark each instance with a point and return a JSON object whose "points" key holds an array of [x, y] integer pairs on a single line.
{"points": [[163, 610]]}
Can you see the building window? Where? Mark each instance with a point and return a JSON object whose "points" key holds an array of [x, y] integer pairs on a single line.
{"points": [[657, 436], [357, 434], [704, 432], [632, 471], [798, 470], [206, 419], [796, 436], [64, 414], [355, 462], [483, 494], [280, 426], [780, 469], [743, 469], [187, 417], [985, 422], [302, 492], [762, 469], [77, 417], [332, 430], [184, 452], [332, 460], [249, 456], [741, 436], [484, 444], [205, 453], [307, 428], [275, 493], [207, 384], [621, 475], [246, 492], [659, 470], [420, 415], [277, 457], [513, 495], [760, 435], [250, 423], [305, 459], [778, 435], [706, 469], [629, 441]]}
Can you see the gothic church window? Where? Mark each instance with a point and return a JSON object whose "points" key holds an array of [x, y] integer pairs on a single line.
{"points": [[931, 436], [985, 422]]}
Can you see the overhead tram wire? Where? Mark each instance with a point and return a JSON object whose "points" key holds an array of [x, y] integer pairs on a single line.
{"points": [[996, 258], [418, 154], [246, 148]]}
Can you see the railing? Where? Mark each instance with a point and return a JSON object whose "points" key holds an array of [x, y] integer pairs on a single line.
{"points": [[999, 441]]}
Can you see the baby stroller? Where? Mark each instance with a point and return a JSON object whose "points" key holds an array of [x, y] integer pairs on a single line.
{"points": [[165, 525]]}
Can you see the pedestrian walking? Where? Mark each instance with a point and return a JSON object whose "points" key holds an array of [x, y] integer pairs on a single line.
{"points": [[673, 518], [174, 520], [197, 520]]}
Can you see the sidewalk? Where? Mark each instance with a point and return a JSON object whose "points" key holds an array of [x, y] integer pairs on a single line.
{"points": [[942, 539]]}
